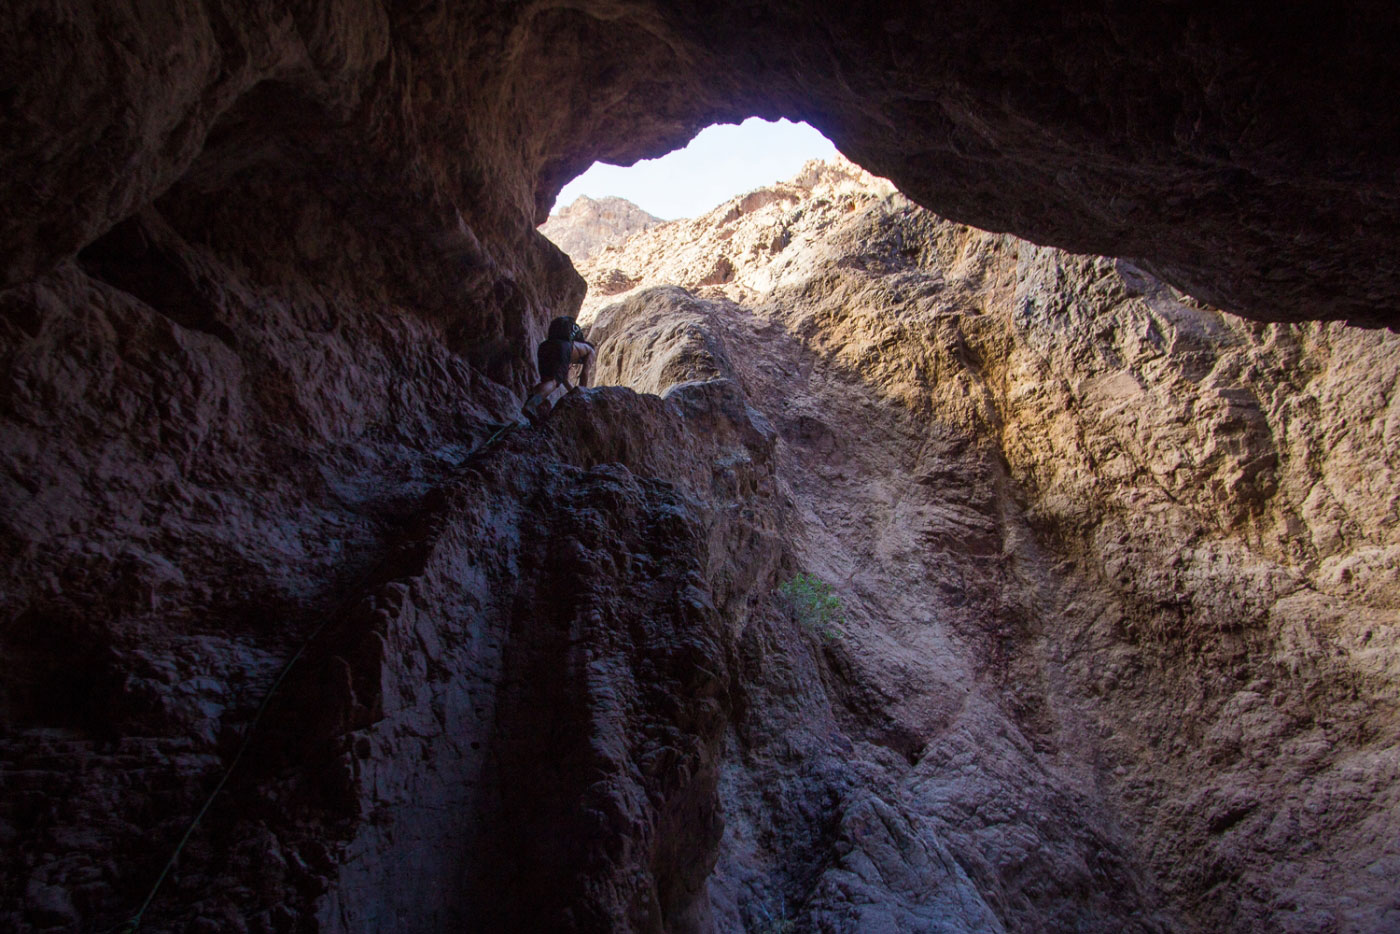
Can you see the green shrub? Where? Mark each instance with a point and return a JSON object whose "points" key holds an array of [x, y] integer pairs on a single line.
{"points": [[814, 604]]}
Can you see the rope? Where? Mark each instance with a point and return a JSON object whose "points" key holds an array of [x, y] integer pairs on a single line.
{"points": [[492, 440], [133, 924]]}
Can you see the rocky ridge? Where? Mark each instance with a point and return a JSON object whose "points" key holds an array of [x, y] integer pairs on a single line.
{"points": [[588, 224], [741, 249]]}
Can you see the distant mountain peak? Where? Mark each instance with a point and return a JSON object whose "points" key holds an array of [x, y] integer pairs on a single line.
{"points": [[745, 246], [587, 224]]}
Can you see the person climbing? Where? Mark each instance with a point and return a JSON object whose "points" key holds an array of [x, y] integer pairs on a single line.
{"points": [[563, 346]]}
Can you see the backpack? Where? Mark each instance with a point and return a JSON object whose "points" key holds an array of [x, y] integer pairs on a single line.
{"points": [[564, 328]]}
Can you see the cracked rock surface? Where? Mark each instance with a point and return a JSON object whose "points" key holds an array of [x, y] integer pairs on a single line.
{"points": [[1115, 649]]}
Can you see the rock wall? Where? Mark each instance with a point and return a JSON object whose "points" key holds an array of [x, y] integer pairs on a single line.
{"points": [[511, 719], [1119, 578], [269, 276], [1245, 154], [587, 225]]}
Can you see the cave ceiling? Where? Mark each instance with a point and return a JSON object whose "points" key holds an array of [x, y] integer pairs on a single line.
{"points": [[1246, 153]]}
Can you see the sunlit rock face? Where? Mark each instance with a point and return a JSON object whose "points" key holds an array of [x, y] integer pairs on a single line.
{"points": [[742, 249], [590, 224], [1119, 575], [270, 276]]}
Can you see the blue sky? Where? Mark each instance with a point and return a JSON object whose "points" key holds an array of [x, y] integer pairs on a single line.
{"points": [[722, 161]]}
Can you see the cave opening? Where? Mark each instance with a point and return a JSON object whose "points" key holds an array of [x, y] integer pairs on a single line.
{"points": [[720, 161], [1114, 642], [949, 408], [607, 203]]}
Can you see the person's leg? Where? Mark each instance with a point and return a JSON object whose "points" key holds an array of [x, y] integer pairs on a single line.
{"points": [[583, 353], [535, 405], [552, 360]]}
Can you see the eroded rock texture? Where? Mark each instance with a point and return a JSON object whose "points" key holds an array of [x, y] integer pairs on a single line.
{"points": [[271, 276], [1245, 153], [1120, 579], [590, 224], [532, 680]]}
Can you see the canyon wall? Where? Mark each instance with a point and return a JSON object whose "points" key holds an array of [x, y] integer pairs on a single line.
{"points": [[588, 224], [1119, 575], [269, 277]]}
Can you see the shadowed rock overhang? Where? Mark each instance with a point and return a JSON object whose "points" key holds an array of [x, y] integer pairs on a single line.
{"points": [[269, 282], [1246, 155]]}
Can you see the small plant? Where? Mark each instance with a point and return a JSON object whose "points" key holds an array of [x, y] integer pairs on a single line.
{"points": [[814, 604]]}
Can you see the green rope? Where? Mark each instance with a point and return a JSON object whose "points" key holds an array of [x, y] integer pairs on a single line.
{"points": [[492, 440], [133, 924]]}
